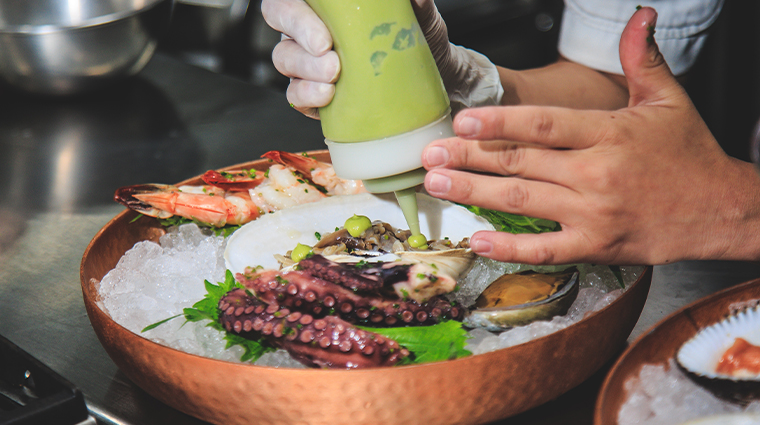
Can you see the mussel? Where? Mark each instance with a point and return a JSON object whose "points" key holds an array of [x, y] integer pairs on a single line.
{"points": [[521, 298]]}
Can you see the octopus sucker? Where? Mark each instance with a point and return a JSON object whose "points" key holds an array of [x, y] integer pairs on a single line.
{"points": [[288, 289], [340, 273], [325, 342]]}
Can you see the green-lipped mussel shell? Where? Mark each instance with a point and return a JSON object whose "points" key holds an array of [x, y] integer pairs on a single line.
{"points": [[491, 313]]}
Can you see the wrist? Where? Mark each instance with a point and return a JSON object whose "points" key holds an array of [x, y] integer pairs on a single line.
{"points": [[736, 226]]}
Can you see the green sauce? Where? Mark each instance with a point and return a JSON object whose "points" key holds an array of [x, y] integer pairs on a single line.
{"points": [[300, 252], [357, 224], [407, 200], [389, 83]]}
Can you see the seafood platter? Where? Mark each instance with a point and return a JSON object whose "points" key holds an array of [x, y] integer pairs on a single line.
{"points": [[322, 277], [700, 365]]}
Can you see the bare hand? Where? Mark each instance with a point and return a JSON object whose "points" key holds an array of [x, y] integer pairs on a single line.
{"points": [[647, 184]]}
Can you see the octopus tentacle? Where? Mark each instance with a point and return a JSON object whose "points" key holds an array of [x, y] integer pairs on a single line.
{"points": [[348, 275], [409, 280], [299, 290], [318, 342]]}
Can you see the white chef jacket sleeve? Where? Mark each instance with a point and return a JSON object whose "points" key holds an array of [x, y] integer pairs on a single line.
{"points": [[590, 30]]}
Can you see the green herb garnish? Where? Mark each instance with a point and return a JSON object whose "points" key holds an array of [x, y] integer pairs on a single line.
{"points": [[444, 341], [513, 223], [176, 220], [207, 309]]}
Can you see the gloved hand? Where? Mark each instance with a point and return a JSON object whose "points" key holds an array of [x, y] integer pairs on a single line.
{"points": [[305, 55]]}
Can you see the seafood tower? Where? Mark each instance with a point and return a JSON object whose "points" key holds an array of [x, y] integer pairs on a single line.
{"points": [[389, 101]]}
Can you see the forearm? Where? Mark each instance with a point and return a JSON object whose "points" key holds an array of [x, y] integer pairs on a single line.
{"points": [[566, 84]]}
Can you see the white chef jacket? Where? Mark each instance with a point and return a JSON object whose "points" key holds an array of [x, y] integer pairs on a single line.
{"points": [[590, 30]]}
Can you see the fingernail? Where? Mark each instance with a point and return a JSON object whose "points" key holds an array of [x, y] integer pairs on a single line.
{"points": [[435, 156], [469, 126], [438, 184], [480, 246]]}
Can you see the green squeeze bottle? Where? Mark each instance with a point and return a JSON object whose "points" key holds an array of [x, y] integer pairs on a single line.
{"points": [[389, 101]]}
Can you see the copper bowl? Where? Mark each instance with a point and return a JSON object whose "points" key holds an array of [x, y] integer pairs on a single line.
{"points": [[661, 344], [475, 389]]}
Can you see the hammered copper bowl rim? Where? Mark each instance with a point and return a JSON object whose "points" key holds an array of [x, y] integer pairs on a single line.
{"points": [[475, 389], [660, 343]]}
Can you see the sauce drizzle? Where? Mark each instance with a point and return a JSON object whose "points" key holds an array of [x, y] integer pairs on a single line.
{"points": [[741, 357]]}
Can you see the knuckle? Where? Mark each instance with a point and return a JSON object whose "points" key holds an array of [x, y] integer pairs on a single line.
{"points": [[292, 94], [325, 68], [614, 131], [268, 9], [515, 197], [282, 57], [464, 190], [461, 151], [542, 255], [541, 127], [511, 160]]}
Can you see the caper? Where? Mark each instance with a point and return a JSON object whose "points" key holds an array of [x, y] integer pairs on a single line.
{"points": [[357, 224]]}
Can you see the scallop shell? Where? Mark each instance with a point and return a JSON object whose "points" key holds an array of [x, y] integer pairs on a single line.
{"points": [[502, 318], [452, 262], [255, 243], [699, 356]]}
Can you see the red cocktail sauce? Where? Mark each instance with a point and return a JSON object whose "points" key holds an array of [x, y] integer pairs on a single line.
{"points": [[741, 356]]}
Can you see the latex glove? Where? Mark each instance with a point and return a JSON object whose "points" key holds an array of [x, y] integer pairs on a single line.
{"points": [[646, 184], [305, 56], [470, 78]]}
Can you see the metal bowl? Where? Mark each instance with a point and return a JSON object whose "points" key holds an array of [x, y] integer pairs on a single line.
{"points": [[471, 390], [55, 47], [660, 344]]}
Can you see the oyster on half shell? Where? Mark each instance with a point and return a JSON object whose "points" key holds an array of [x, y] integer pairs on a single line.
{"points": [[256, 243], [700, 356], [521, 298]]}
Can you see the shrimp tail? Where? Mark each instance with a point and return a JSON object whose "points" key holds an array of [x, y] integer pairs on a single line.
{"points": [[302, 163], [128, 196]]}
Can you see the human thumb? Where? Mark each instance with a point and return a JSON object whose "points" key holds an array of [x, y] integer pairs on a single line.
{"points": [[648, 75]]}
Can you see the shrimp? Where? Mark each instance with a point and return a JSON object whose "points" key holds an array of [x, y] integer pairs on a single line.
{"points": [[206, 204], [239, 196], [283, 188], [320, 173]]}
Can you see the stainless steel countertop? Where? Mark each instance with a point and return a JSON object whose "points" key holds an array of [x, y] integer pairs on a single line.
{"points": [[62, 158]]}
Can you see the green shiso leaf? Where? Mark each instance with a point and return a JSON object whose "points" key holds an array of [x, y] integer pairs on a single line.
{"points": [[176, 220], [444, 341], [513, 223], [618, 275], [206, 309], [159, 323]]}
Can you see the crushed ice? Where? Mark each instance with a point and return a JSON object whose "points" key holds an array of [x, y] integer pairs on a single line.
{"points": [[664, 395], [153, 281]]}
